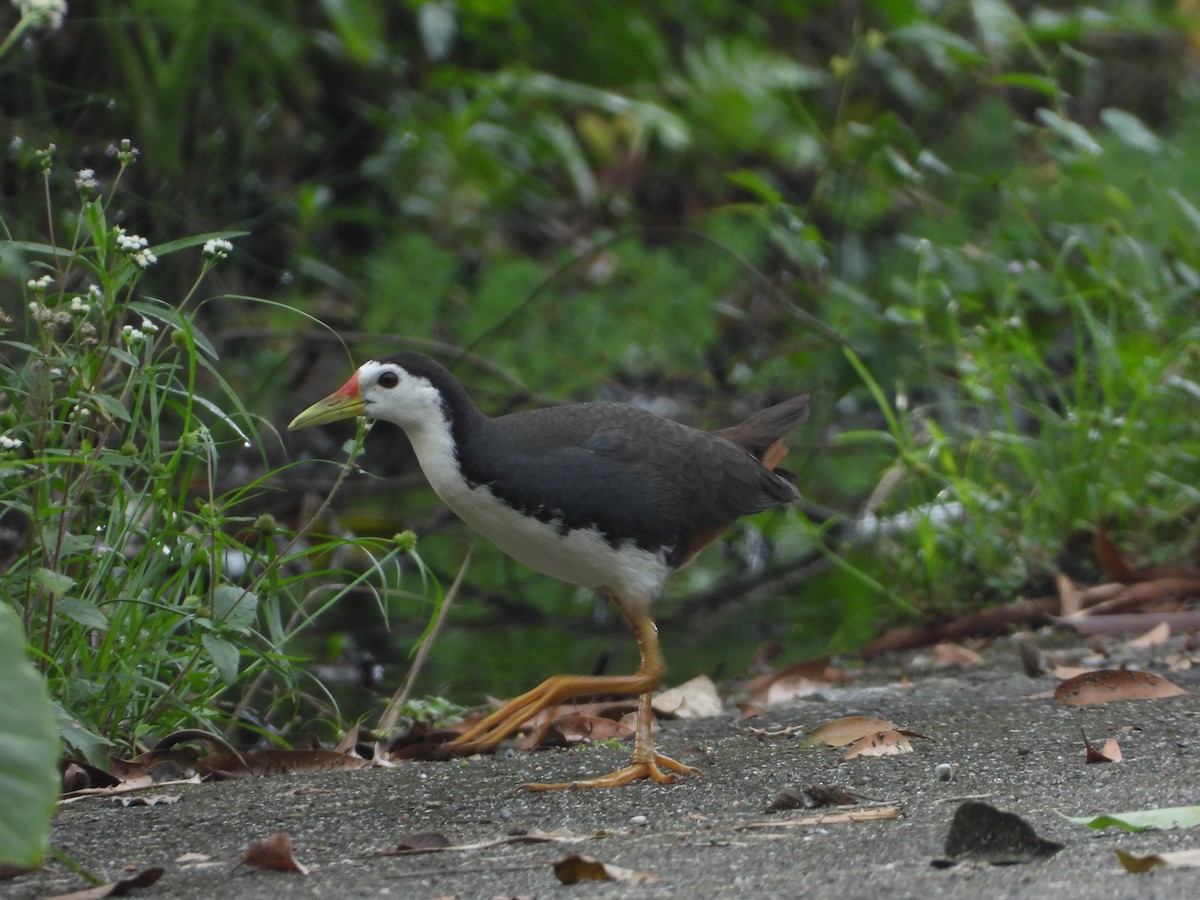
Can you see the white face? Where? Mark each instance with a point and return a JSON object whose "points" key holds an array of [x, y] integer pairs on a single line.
{"points": [[392, 393]]}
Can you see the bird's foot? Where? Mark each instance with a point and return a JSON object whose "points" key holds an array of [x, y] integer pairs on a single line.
{"points": [[651, 767]]}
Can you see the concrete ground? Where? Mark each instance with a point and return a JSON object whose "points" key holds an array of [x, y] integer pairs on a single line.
{"points": [[708, 836]]}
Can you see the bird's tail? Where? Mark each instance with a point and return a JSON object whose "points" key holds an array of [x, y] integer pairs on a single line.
{"points": [[762, 434]]}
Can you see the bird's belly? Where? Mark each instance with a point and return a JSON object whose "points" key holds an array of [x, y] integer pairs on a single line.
{"points": [[580, 556]]}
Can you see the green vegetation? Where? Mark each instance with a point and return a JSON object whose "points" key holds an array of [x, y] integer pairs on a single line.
{"points": [[969, 230]]}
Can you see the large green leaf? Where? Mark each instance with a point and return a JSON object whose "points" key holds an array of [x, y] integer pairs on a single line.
{"points": [[28, 751]]}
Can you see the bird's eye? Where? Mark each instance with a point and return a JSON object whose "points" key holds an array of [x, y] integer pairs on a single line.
{"points": [[388, 380]]}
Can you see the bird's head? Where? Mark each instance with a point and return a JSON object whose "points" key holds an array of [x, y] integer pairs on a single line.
{"points": [[396, 390]]}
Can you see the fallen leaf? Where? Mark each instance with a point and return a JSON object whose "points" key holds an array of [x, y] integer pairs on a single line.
{"points": [[949, 654], [273, 852], [575, 868], [881, 743], [761, 663], [120, 888], [1176, 859], [1110, 558], [574, 729], [1163, 819], [163, 799], [79, 775], [1159, 634], [1110, 752], [1108, 685], [797, 680], [847, 730], [694, 699], [812, 796], [981, 833], [1066, 673], [1070, 598]]}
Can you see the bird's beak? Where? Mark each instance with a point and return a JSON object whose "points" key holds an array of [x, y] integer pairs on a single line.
{"points": [[344, 403]]}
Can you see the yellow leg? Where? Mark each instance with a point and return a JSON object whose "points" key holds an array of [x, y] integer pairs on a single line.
{"points": [[646, 763]]}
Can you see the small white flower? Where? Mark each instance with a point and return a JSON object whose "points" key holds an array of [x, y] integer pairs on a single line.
{"points": [[217, 248], [143, 259], [10, 443], [80, 412], [39, 285], [148, 327], [85, 180], [133, 336], [48, 14], [95, 293], [79, 307], [125, 152], [130, 243]]}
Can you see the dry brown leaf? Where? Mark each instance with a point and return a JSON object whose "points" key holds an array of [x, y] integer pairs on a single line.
{"points": [[881, 743], [1110, 752], [1066, 673], [847, 730], [1070, 598], [761, 663], [1110, 558], [694, 699], [273, 852], [120, 888], [1159, 634], [1133, 623], [1176, 859], [590, 728], [949, 654], [575, 868], [1108, 685], [797, 680]]}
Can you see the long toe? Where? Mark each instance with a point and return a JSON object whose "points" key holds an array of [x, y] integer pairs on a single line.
{"points": [[652, 768]]}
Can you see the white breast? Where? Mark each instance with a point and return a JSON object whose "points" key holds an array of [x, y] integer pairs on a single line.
{"points": [[582, 557]]}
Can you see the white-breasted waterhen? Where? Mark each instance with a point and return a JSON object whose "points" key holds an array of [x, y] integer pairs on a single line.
{"points": [[606, 496]]}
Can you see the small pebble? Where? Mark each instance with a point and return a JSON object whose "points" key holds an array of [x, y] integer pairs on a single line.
{"points": [[638, 820], [944, 772]]}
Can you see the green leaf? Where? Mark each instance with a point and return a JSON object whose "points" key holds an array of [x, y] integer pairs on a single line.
{"points": [[195, 240], [224, 656], [29, 780], [1029, 81], [1130, 130], [54, 582], [1000, 28], [235, 608], [85, 612], [755, 184], [1163, 819], [1071, 132]]}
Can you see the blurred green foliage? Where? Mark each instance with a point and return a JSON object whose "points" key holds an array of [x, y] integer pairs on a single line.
{"points": [[990, 203]]}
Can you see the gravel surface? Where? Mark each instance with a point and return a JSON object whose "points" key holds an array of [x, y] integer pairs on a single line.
{"points": [[706, 836]]}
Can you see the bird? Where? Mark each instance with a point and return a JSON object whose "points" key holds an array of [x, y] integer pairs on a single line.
{"points": [[603, 495]]}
